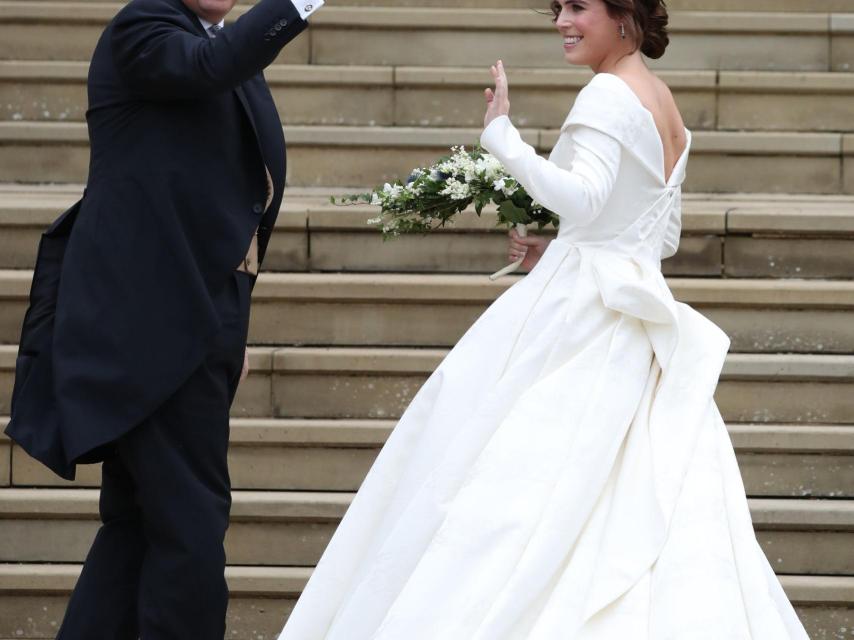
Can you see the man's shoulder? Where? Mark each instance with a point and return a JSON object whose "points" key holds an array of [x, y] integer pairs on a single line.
{"points": [[166, 10]]}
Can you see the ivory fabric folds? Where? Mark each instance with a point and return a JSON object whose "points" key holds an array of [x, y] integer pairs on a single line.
{"points": [[565, 472]]}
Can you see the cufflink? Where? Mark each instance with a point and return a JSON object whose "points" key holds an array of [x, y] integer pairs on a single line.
{"points": [[309, 7]]}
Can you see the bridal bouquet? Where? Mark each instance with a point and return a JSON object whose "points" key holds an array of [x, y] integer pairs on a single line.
{"points": [[432, 196]]}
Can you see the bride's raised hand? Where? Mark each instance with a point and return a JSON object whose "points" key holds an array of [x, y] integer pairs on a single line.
{"points": [[498, 99]]}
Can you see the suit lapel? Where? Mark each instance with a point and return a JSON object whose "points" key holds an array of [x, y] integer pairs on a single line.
{"points": [[241, 95], [240, 92]]}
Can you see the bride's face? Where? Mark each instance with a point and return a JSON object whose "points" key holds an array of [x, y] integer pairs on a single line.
{"points": [[589, 33]]}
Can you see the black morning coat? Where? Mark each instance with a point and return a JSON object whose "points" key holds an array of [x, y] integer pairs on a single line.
{"points": [[121, 313]]}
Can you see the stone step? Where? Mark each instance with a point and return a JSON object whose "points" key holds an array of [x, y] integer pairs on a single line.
{"points": [[773, 162], [26, 211], [445, 36], [751, 236], [795, 460], [452, 97], [787, 6], [320, 193], [312, 382], [265, 529], [336, 382], [269, 454], [776, 460], [795, 238], [814, 537], [33, 600], [436, 310]]}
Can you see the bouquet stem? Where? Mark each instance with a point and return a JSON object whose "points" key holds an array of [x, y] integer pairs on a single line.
{"points": [[522, 230]]}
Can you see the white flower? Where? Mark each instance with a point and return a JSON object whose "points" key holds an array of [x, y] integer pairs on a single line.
{"points": [[392, 192], [456, 190], [465, 165], [459, 163], [489, 167], [375, 199], [501, 185], [449, 167], [375, 221]]}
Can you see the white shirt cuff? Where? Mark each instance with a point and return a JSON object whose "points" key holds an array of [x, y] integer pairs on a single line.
{"points": [[307, 7]]}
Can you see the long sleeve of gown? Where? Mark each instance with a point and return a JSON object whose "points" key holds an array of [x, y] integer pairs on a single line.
{"points": [[577, 194]]}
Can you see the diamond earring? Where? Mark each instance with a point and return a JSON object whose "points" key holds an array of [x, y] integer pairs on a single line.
{"points": [[622, 31]]}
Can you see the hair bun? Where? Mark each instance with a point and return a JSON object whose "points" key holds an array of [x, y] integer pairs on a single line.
{"points": [[652, 16]]}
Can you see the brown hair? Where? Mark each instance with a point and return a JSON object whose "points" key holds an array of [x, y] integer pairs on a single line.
{"points": [[644, 20]]}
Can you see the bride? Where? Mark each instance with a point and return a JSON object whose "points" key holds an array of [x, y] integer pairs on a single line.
{"points": [[565, 472]]}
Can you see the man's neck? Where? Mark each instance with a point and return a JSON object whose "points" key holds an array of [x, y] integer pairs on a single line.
{"points": [[207, 25]]}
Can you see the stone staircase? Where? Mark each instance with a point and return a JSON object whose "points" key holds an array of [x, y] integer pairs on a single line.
{"points": [[345, 327]]}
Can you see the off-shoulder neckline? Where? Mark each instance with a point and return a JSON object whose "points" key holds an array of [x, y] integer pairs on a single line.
{"points": [[663, 171]]}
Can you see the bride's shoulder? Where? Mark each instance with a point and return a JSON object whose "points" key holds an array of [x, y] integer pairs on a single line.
{"points": [[606, 82], [607, 104], [606, 87]]}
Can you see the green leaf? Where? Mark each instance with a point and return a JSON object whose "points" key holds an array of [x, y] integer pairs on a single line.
{"points": [[509, 212]]}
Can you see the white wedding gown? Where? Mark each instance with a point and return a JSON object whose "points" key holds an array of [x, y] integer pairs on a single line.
{"points": [[565, 472]]}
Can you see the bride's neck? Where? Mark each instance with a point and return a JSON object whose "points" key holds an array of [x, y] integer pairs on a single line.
{"points": [[622, 63]]}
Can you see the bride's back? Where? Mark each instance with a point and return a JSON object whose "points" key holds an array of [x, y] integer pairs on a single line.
{"points": [[639, 164], [656, 97]]}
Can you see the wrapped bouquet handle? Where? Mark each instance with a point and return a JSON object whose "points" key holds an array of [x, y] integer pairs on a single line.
{"points": [[522, 230]]}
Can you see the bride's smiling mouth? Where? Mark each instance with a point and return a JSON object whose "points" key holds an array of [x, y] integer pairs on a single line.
{"points": [[570, 42]]}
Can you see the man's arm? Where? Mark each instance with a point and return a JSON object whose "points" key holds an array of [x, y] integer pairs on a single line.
{"points": [[158, 57]]}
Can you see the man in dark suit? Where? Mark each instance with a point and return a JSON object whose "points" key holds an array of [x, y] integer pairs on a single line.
{"points": [[135, 338]]}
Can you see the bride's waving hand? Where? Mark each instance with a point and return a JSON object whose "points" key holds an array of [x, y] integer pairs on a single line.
{"points": [[497, 100]]}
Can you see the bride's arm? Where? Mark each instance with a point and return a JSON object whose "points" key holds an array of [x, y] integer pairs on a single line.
{"points": [[577, 194]]}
